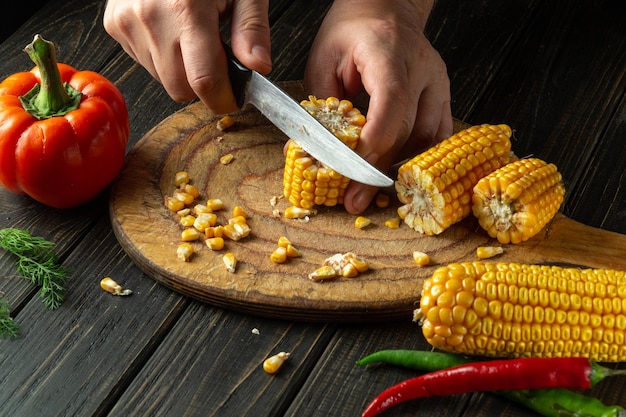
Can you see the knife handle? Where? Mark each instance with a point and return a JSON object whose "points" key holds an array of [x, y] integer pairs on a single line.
{"points": [[238, 74]]}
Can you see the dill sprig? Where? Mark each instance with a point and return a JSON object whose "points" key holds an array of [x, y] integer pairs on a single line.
{"points": [[8, 327], [38, 263]]}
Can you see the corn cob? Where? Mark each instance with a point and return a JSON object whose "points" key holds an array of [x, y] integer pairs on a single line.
{"points": [[517, 310], [435, 187], [306, 181], [516, 201]]}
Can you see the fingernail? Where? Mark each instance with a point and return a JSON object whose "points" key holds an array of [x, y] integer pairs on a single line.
{"points": [[262, 54], [363, 198]]}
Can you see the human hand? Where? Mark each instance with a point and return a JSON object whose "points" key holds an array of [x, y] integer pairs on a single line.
{"points": [[380, 47], [179, 43]]}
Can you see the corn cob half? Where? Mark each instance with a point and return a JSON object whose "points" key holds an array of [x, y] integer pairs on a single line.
{"points": [[306, 181], [517, 310], [516, 201], [435, 187]]}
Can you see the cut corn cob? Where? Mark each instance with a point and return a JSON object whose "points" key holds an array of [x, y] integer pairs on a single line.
{"points": [[516, 201], [435, 187], [517, 310], [306, 181]]}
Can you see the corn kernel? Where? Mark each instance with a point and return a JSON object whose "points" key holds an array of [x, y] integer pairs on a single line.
{"points": [[292, 251], [183, 196], [230, 261], [484, 252], [279, 255], [240, 211], [392, 223], [421, 258], [360, 222], [225, 122], [293, 212], [323, 273], [181, 177], [382, 200], [189, 235], [201, 208], [112, 287], [226, 159], [215, 204], [187, 220], [237, 219], [283, 241], [236, 231], [215, 243], [191, 190], [184, 252], [174, 204], [272, 364]]}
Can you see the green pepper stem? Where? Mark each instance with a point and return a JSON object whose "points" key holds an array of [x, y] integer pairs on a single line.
{"points": [[52, 97], [599, 372]]}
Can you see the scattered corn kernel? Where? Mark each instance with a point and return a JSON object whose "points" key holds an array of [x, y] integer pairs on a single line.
{"points": [[201, 208], [230, 261], [205, 220], [181, 177], [283, 241], [279, 256], [272, 364], [292, 251], [189, 235], [349, 271], [110, 286], [360, 222], [323, 273], [187, 220], [484, 252], [293, 212], [240, 211], [225, 122], [174, 204], [184, 252], [215, 243], [236, 231], [382, 200], [227, 159], [392, 223], [421, 258], [191, 189], [215, 204], [184, 212], [183, 196], [237, 219]]}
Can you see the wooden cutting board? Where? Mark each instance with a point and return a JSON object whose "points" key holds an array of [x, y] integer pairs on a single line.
{"points": [[189, 140]]}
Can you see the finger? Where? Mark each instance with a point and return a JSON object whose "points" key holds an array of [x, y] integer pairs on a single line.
{"points": [[251, 34], [205, 64]]}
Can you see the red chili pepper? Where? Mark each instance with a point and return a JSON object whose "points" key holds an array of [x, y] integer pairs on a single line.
{"points": [[63, 132], [505, 374]]}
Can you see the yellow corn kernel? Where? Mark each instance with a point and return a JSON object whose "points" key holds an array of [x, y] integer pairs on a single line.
{"points": [[323, 273], [230, 261], [191, 190], [184, 252], [516, 201], [283, 241], [421, 258], [293, 212], [189, 235], [292, 251], [215, 243], [272, 364], [205, 220], [382, 200], [435, 187], [225, 122], [237, 219], [484, 252], [346, 264], [174, 204], [361, 222], [201, 208], [392, 223], [236, 231], [181, 177], [215, 204], [239, 211], [521, 310], [187, 220], [184, 212], [306, 181], [226, 159], [217, 231], [186, 198], [110, 286], [279, 256]]}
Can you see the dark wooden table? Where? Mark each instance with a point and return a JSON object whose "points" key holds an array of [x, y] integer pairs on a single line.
{"points": [[555, 71]]}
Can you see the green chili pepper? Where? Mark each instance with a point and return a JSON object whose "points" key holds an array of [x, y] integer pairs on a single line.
{"points": [[553, 402]]}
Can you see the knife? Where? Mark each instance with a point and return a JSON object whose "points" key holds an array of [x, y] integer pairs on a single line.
{"points": [[294, 121]]}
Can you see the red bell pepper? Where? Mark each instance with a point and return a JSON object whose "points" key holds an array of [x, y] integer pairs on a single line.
{"points": [[63, 132]]}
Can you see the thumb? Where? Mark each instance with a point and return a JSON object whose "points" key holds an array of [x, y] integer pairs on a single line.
{"points": [[250, 34]]}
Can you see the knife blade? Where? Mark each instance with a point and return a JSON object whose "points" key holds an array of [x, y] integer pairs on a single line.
{"points": [[294, 121]]}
